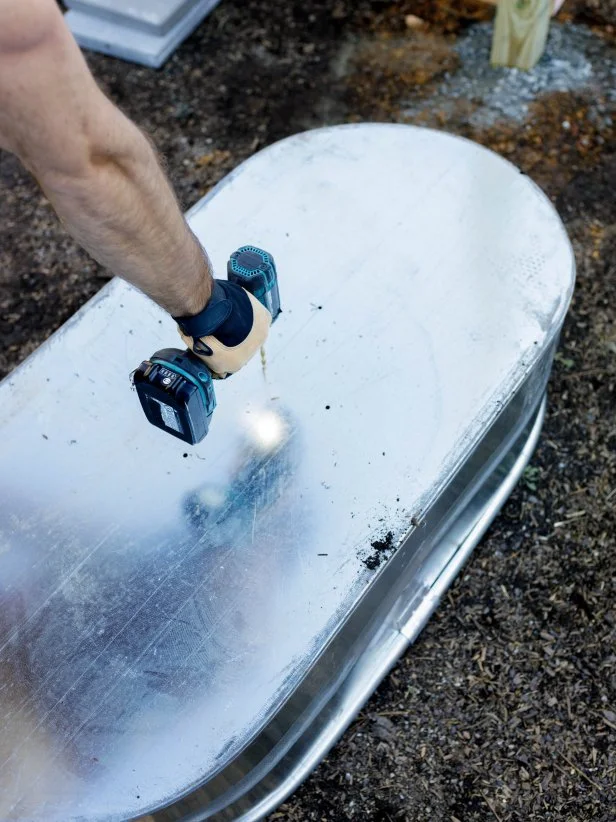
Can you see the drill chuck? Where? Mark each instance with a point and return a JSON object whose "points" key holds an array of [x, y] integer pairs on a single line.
{"points": [[255, 270]]}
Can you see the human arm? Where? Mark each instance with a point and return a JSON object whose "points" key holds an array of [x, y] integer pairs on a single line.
{"points": [[98, 170]]}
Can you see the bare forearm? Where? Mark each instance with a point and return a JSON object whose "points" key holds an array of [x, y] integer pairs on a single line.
{"points": [[121, 209], [100, 173]]}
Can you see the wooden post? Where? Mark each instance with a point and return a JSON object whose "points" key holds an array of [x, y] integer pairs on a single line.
{"points": [[520, 32]]}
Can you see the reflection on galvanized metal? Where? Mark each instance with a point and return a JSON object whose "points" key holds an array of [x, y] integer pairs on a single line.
{"points": [[191, 628]]}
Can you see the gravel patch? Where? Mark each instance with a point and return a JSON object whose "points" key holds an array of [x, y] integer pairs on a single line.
{"points": [[575, 59]]}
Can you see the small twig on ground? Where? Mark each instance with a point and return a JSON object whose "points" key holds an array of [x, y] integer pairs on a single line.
{"points": [[489, 804], [581, 773], [606, 721], [570, 518]]}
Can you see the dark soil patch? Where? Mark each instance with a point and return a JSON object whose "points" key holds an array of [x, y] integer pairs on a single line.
{"points": [[506, 706], [382, 549], [382, 546]]}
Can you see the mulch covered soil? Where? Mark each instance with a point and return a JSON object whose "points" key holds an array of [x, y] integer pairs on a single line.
{"points": [[505, 709]]}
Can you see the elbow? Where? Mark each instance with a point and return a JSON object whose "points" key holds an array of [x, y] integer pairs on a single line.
{"points": [[60, 170], [88, 174], [75, 180], [103, 150]]}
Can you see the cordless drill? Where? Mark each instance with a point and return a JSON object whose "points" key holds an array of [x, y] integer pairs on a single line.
{"points": [[175, 387]]}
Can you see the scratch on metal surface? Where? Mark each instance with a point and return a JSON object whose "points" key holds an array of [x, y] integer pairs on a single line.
{"points": [[129, 669], [14, 634]]}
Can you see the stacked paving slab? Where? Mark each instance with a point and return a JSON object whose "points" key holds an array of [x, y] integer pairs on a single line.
{"points": [[142, 31]]}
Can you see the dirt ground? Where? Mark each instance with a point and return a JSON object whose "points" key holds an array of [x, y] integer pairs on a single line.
{"points": [[505, 709]]}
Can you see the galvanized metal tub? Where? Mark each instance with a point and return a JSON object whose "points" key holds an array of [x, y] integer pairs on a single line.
{"points": [[185, 632]]}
